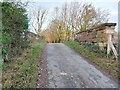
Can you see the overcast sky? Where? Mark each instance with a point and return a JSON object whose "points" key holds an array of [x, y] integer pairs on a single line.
{"points": [[111, 5]]}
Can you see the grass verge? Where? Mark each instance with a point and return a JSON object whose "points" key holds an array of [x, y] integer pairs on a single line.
{"points": [[22, 72], [111, 66]]}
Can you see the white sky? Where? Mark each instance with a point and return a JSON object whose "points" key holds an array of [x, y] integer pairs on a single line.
{"points": [[111, 5], [72, 0]]}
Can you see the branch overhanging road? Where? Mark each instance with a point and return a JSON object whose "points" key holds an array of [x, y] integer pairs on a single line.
{"points": [[67, 69]]}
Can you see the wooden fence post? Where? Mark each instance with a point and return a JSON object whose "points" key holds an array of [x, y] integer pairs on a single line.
{"points": [[110, 46]]}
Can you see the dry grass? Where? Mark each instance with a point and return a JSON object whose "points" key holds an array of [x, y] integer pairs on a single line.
{"points": [[22, 72]]}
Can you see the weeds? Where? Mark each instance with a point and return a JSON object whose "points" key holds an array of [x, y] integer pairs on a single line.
{"points": [[22, 73]]}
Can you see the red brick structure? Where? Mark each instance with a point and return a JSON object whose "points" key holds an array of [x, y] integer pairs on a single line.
{"points": [[103, 35], [33, 36], [97, 34]]}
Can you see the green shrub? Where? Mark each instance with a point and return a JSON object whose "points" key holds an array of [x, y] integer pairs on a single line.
{"points": [[14, 28]]}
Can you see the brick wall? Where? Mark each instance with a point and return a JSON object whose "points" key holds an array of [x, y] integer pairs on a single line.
{"points": [[96, 34]]}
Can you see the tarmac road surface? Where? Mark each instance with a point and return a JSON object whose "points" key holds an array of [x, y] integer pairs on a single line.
{"points": [[67, 69]]}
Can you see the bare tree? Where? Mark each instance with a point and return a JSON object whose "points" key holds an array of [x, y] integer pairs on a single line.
{"points": [[38, 19], [83, 16], [75, 17]]}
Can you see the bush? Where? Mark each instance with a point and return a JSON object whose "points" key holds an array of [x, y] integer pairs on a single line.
{"points": [[14, 27]]}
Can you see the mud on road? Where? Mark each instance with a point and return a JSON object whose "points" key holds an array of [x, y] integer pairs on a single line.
{"points": [[67, 69]]}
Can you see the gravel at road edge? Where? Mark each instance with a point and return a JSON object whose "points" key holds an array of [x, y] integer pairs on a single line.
{"points": [[42, 80]]}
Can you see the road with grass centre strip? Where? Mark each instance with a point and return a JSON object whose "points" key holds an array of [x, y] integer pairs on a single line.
{"points": [[67, 69]]}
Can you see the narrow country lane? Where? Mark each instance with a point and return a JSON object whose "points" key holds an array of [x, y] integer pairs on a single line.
{"points": [[67, 69]]}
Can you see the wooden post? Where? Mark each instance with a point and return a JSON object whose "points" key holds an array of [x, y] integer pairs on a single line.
{"points": [[110, 45]]}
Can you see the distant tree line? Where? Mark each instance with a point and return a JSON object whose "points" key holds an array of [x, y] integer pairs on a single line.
{"points": [[14, 28], [72, 18]]}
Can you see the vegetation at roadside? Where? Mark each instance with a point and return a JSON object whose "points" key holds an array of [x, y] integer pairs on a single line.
{"points": [[22, 72], [14, 28], [111, 66]]}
